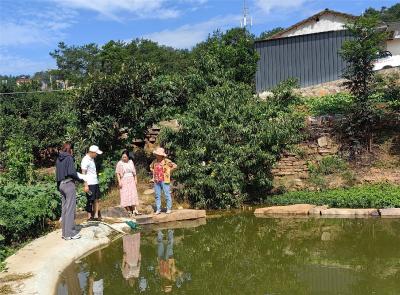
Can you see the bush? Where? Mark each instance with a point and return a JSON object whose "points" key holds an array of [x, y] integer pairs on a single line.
{"points": [[367, 196], [19, 159], [25, 209], [227, 145], [339, 103]]}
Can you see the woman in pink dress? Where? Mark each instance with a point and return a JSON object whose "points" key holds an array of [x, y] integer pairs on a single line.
{"points": [[127, 180]]}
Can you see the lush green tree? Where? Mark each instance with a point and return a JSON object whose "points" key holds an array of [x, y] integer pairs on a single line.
{"points": [[391, 14], [227, 145], [114, 109], [360, 53], [267, 34], [227, 56]]}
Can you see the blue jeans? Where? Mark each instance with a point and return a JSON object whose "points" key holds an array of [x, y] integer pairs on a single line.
{"points": [[161, 186]]}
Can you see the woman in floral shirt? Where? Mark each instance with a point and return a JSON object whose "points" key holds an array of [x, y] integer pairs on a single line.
{"points": [[162, 168]]}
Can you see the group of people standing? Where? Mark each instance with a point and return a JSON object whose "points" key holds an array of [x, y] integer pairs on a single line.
{"points": [[67, 176]]}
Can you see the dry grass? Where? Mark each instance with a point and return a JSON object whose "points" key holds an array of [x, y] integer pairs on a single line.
{"points": [[15, 277], [6, 289]]}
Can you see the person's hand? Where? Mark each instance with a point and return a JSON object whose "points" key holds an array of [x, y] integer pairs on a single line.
{"points": [[120, 185], [86, 188]]}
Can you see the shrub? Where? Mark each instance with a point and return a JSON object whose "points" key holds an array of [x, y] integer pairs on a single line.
{"points": [[227, 145], [19, 159], [25, 209], [330, 104], [366, 196]]}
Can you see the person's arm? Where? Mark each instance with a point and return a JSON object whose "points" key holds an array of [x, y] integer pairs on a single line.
{"points": [[119, 180], [84, 172], [71, 171], [172, 166], [134, 172]]}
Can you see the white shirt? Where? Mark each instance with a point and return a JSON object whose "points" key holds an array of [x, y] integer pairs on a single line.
{"points": [[90, 167]]}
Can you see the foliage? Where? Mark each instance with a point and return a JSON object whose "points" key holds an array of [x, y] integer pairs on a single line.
{"points": [[44, 120], [226, 56], [227, 145], [330, 165], [267, 34], [19, 160], [283, 94], [386, 14], [387, 87], [25, 209], [366, 196], [76, 63], [333, 104], [114, 109], [360, 53]]}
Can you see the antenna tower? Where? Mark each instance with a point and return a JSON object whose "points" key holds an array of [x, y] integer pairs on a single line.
{"points": [[247, 20]]}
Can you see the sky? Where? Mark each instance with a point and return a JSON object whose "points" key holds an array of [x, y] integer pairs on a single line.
{"points": [[30, 29]]}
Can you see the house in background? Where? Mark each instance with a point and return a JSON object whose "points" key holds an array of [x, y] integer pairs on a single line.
{"points": [[22, 80], [309, 51]]}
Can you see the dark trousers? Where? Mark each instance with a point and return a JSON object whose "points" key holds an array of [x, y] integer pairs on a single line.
{"points": [[68, 206]]}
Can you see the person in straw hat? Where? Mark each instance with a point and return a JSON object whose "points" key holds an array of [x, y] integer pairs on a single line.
{"points": [[162, 169]]}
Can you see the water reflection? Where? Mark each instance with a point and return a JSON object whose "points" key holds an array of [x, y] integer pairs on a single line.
{"points": [[131, 258], [167, 269], [245, 255]]}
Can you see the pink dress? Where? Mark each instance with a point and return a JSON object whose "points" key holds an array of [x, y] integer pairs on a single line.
{"points": [[128, 192], [131, 259]]}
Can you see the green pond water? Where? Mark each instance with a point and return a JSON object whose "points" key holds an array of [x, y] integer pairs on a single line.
{"points": [[243, 254]]}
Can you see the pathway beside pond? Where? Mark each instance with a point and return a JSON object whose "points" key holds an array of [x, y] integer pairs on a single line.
{"points": [[38, 265]]}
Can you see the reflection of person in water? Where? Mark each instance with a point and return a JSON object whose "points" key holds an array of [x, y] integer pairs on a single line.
{"points": [[166, 262], [95, 287], [131, 259]]}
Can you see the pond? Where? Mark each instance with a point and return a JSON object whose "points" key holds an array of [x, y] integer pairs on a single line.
{"points": [[243, 254]]}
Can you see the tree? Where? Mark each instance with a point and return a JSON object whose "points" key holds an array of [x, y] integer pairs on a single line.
{"points": [[391, 14], [227, 56], [227, 145], [360, 53], [267, 34]]}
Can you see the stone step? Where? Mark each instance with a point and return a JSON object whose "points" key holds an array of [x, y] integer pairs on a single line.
{"points": [[349, 212], [390, 212], [298, 209]]}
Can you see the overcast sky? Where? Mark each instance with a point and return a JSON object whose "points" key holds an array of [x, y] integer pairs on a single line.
{"points": [[29, 30]]}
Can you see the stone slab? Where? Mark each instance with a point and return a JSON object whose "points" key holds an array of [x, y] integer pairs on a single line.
{"points": [[114, 212], [176, 215], [349, 212], [317, 210], [298, 209], [390, 212]]}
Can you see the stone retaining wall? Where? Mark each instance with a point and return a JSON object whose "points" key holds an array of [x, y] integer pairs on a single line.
{"points": [[292, 169]]}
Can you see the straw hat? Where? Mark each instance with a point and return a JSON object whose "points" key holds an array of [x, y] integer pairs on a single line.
{"points": [[160, 151]]}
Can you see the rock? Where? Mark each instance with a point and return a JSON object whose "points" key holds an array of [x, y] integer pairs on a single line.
{"points": [[348, 212], [390, 212], [323, 141], [149, 191], [317, 210], [114, 212], [176, 215], [180, 208], [298, 209], [147, 210]]}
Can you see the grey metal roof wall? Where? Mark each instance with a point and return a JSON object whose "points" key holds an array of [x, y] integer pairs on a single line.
{"points": [[312, 59]]}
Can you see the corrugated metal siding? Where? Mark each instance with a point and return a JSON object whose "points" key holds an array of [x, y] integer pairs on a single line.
{"points": [[312, 59]]}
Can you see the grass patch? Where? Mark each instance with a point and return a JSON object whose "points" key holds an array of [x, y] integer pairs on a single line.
{"points": [[366, 196], [339, 103]]}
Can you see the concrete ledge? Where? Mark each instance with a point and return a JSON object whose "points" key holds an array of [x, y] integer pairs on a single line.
{"points": [[349, 212], [390, 212], [298, 209], [317, 210]]}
